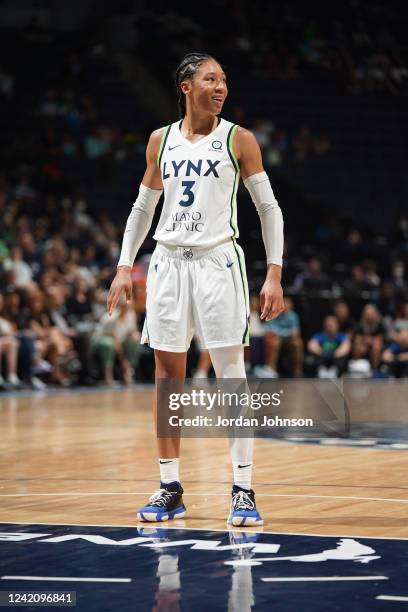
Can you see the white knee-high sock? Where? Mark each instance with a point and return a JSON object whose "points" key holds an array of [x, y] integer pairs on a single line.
{"points": [[169, 470], [241, 450], [228, 362]]}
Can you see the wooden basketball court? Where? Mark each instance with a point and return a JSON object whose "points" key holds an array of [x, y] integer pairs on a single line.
{"points": [[90, 458]]}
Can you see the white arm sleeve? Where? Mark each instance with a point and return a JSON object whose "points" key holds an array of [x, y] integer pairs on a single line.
{"points": [[138, 224], [270, 215]]}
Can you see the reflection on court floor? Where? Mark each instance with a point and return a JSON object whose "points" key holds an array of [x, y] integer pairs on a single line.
{"points": [[149, 568]]}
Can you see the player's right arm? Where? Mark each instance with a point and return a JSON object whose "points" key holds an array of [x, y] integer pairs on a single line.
{"points": [[138, 223], [152, 175]]}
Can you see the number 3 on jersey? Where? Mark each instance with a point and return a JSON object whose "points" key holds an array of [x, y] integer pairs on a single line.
{"points": [[188, 185]]}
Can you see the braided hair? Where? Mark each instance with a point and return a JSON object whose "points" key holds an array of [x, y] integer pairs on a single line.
{"points": [[186, 70]]}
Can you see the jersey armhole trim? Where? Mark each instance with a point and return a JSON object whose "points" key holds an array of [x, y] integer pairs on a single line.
{"points": [[230, 147], [164, 137]]}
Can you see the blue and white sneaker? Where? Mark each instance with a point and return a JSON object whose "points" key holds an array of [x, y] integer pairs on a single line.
{"points": [[164, 504], [243, 508]]}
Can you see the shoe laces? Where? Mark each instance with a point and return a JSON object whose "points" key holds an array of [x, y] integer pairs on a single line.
{"points": [[242, 501], [161, 497]]}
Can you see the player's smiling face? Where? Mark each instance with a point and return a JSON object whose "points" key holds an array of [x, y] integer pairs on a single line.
{"points": [[208, 88]]}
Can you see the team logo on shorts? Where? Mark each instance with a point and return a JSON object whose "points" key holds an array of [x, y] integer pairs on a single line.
{"points": [[187, 253]]}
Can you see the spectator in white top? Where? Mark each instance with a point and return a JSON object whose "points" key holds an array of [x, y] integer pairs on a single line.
{"points": [[117, 337], [23, 275], [8, 348]]}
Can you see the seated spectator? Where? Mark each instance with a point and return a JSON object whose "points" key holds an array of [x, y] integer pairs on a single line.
{"points": [[97, 302], [371, 275], [80, 346], [396, 355], [273, 155], [31, 254], [78, 306], [284, 333], [352, 248], [263, 128], [51, 344], [400, 235], [277, 149], [301, 143], [97, 144], [399, 276], [8, 348], [116, 337], [15, 313], [357, 287], [359, 365], [24, 191], [372, 330], [342, 313], [80, 315], [401, 322], [312, 279], [388, 300], [330, 349], [22, 271]]}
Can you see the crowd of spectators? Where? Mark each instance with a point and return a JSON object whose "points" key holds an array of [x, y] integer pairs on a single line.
{"points": [[361, 45], [57, 262], [74, 129], [372, 347], [56, 267], [278, 146]]}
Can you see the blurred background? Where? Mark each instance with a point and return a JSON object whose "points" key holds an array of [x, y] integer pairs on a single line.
{"points": [[82, 85]]}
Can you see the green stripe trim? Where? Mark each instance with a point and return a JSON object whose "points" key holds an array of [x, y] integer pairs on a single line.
{"points": [[164, 137], [147, 329], [232, 201], [235, 164], [230, 148], [245, 337]]}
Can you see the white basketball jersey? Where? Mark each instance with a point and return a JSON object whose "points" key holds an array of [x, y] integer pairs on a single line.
{"points": [[200, 182]]}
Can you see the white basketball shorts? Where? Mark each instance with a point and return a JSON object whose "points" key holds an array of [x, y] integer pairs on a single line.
{"points": [[195, 290]]}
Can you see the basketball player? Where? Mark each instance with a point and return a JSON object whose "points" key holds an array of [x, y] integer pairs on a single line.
{"points": [[196, 280]]}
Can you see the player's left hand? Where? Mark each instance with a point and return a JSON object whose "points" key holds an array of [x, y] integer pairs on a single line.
{"points": [[271, 299]]}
